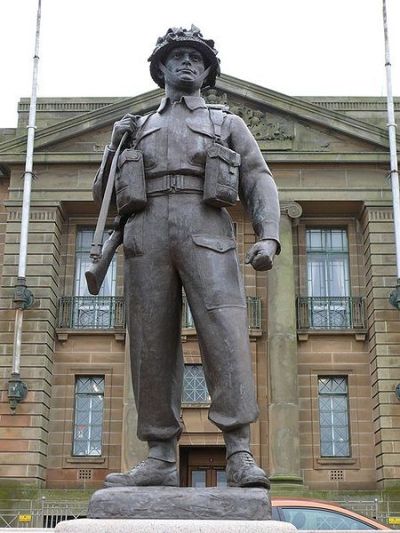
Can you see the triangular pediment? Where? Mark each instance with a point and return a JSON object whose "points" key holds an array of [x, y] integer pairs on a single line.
{"points": [[278, 122]]}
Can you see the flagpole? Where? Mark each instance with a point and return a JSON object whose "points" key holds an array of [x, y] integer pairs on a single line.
{"points": [[394, 297], [23, 298]]}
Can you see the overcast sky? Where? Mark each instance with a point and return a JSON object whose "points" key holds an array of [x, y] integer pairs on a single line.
{"points": [[100, 47]]}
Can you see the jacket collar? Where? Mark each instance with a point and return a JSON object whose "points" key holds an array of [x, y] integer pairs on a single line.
{"points": [[191, 102]]}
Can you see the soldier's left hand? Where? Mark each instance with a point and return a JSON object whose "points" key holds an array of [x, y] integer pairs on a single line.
{"points": [[261, 254]]}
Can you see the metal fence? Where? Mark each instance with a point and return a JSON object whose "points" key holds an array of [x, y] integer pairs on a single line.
{"points": [[41, 514], [385, 511], [47, 514], [108, 312], [91, 312], [331, 312]]}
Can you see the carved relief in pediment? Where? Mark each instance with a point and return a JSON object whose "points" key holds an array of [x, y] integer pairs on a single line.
{"points": [[271, 132]]}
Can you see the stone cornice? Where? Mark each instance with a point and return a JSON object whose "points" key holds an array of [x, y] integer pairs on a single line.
{"points": [[349, 103], [87, 121], [141, 104], [305, 110], [8, 158]]}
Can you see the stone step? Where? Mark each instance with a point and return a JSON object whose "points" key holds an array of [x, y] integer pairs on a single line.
{"points": [[85, 525]]}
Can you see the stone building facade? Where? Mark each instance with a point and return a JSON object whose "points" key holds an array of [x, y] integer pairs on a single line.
{"points": [[325, 340]]}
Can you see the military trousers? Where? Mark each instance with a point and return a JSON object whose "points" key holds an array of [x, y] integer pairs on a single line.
{"points": [[178, 241]]}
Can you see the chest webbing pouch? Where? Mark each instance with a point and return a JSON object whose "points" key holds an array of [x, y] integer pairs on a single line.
{"points": [[221, 180], [130, 186]]}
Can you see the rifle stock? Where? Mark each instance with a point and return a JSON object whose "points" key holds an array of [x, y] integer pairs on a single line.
{"points": [[97, 271]]}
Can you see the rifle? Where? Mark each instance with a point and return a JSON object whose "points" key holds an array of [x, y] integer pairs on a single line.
{"points": [[98, 269], [102, 255]]}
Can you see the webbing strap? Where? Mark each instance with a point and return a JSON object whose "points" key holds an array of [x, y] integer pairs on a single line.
{"points": [[217, 118]]}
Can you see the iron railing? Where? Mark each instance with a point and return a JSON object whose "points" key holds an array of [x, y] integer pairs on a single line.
{"points": [[46, 515], [108, 312], [253, 313], [91, 312], [331, 313]]}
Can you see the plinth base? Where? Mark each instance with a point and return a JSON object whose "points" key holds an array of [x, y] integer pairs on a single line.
{"points": [[173, 526], [179, 503]]}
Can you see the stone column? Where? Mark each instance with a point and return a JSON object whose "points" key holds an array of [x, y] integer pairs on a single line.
{"points": [[282, 358]]}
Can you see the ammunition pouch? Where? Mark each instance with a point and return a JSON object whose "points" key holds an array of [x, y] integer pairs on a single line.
{"points": [[130, 184], [221, 181]]}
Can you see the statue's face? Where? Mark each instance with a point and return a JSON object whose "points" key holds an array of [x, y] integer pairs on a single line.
{"points": [[185, 64]]}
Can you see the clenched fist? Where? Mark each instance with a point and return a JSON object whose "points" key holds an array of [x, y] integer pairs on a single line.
{"points": [[261, 254]]}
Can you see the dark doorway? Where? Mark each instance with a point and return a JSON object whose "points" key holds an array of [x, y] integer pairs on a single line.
{"points": [[202, 466]]}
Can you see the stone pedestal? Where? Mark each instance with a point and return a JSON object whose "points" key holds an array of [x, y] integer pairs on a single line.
{"points": [[176, 503], [173, 526]]}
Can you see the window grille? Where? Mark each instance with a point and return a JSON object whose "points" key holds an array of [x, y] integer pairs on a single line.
{"points": [[194, 385], [88, 417], [334, 416]]}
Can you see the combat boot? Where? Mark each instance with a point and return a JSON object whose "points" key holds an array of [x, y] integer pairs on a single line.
{"points": [[150, 472], [242, 471]]}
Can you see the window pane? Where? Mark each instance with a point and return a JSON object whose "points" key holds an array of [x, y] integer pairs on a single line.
{"points": [[221, 478], [194, 385], [84, 241], [334, 416], [88, 419], [327, 264], [198, 478], [320, 519]]}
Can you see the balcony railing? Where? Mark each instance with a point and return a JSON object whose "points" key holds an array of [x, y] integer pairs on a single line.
{"points": [[108, 312], [253, 313], [331, 313], [91, 312]]}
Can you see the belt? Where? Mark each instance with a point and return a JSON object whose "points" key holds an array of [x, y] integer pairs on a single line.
{"points": [[174, 183]]}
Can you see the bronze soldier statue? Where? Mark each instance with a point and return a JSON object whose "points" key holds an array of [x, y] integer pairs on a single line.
{"points": [[177, 171]]}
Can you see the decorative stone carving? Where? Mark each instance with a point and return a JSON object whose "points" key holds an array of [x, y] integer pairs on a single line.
{"points": [[270, 132], [291, 209]]}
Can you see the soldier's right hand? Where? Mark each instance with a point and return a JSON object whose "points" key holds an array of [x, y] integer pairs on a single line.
{"points": [[128, 123]]}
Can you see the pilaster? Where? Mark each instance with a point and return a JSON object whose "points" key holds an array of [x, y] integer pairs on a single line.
{"points": [[282, 357], [384, 339], [23, 454]]}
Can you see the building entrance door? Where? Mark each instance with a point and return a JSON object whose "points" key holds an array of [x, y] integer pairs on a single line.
{"points": [[202, 466]]}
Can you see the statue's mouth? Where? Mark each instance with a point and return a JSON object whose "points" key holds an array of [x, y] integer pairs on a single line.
{"points": [[186, 71]]}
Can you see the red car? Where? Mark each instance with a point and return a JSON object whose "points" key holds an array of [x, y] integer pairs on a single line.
{"points": [[321, 515]]}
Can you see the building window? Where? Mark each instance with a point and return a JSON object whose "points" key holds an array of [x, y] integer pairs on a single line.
{"points": [[89, 311], [334, 416], [194, 385], [84, 241], [328, 278], [88, 417]]}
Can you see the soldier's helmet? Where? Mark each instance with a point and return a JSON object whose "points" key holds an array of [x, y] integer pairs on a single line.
{"points": [[182, 37]]}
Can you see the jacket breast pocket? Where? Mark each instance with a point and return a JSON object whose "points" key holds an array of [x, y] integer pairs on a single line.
{"points": [[200, 137], [218, 267]]}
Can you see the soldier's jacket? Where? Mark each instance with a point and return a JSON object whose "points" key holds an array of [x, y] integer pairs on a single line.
{"points": [[175, 139]]}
